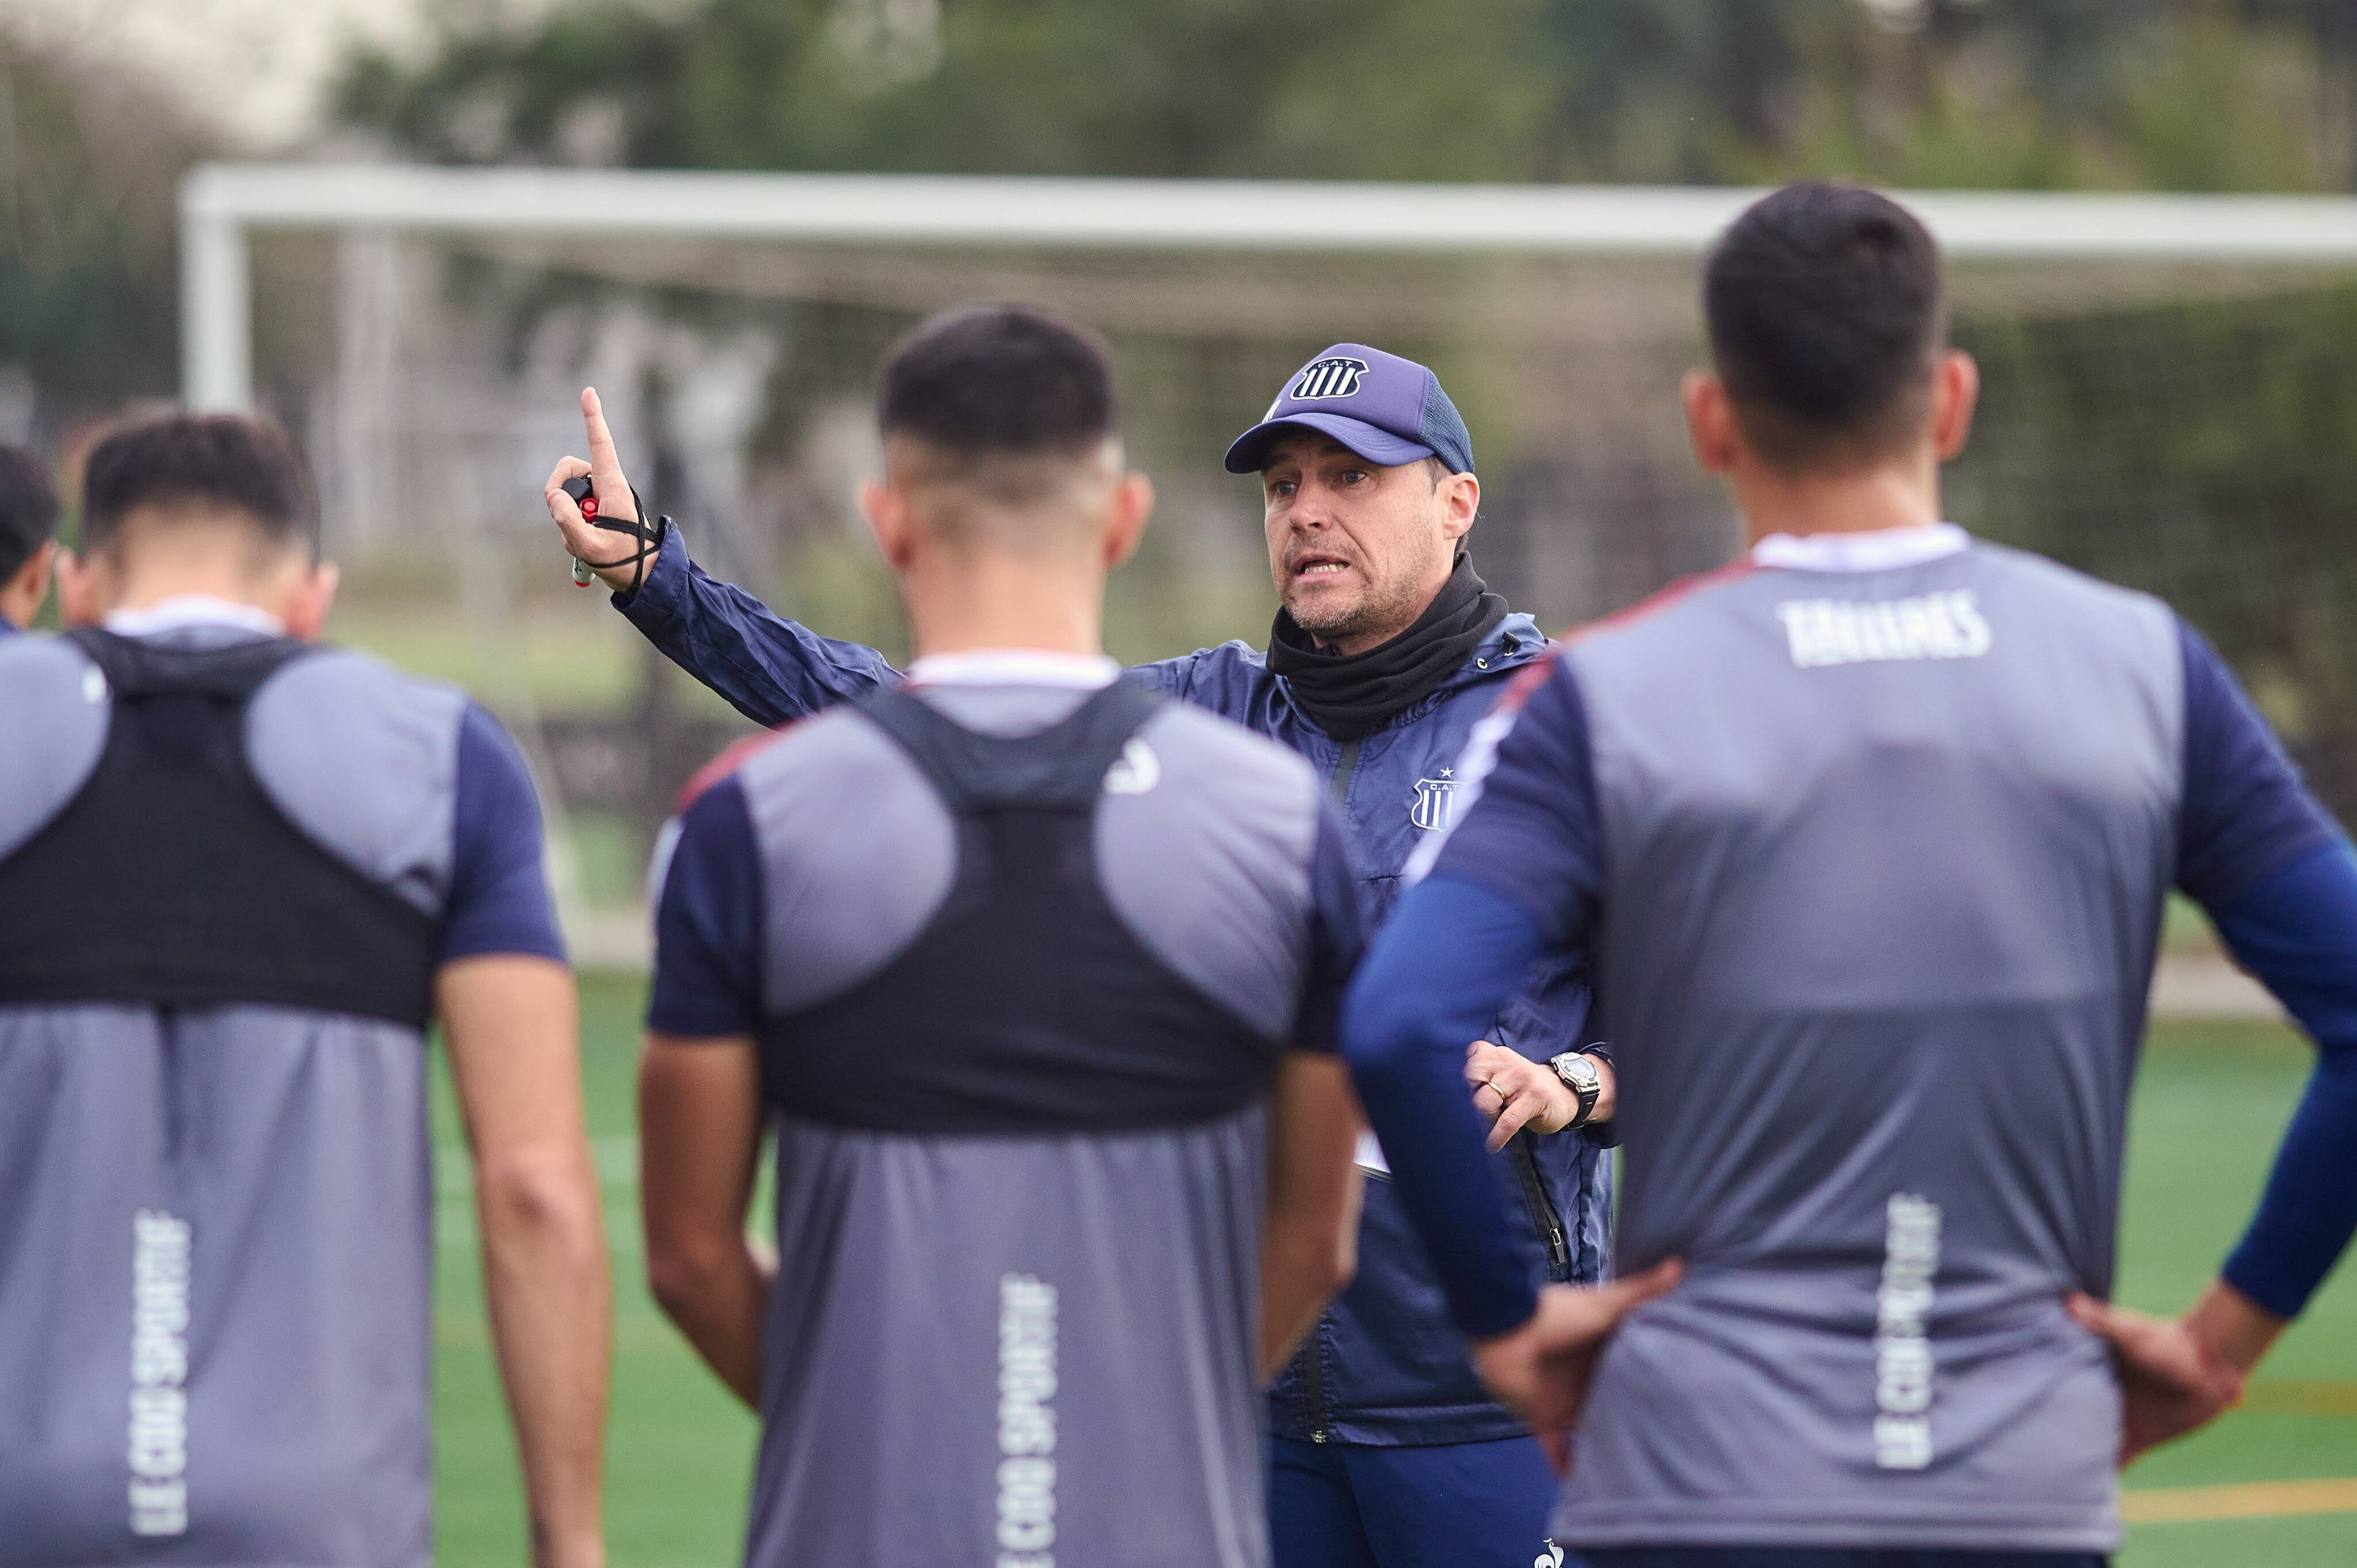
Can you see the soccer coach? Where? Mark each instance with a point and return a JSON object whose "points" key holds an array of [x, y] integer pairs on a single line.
{"points": [[1872, 833], [1387, 1450]]}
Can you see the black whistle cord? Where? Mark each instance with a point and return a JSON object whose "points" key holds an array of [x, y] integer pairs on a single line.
{"points": [[647, 538]]}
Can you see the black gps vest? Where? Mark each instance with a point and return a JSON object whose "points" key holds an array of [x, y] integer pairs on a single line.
{"points": [[1030, 1003], [172, 879]]}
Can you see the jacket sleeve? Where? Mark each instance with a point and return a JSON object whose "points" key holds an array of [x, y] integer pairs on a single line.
{"points": [[768, 668], [1203, 677]]}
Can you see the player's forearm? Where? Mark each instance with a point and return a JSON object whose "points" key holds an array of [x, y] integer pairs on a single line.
{"points": [[716, 1293], [2309, 1211], [1310, 1237], [1436, 976], [2298, 932], [2233, 1330], [1305, 1258], [549, 1287]]}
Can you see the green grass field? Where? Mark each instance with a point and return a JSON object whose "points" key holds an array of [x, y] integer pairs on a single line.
{"points": [[2211, 1103]]}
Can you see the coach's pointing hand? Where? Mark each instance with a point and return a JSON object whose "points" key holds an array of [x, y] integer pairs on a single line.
{"points": [[1539, 1371], [612, 555]]}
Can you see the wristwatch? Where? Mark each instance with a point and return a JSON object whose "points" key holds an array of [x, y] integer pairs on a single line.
{"points": [[1579, 1069]]}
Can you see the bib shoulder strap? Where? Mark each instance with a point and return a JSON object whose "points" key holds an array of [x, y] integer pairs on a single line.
{"points": [[1061, 767], [134, 666]]}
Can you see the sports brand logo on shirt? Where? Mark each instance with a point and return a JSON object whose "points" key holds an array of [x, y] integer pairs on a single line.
{"points": [[1902, 1346], [1026, 1423], [159, 1374], [1135, 771], [1336, 377], [1435, 800]]}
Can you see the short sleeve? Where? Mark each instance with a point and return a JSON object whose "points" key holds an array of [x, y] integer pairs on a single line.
{"points": [[1336, 934], [1529, 833], [500, 900], [708, 921], [2245, 813]]}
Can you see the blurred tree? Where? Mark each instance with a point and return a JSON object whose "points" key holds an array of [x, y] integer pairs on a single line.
{"points": [[88, 165], [2176, 94], [2200, 450]]}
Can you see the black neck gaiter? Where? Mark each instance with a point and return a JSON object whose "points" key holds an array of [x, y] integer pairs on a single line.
{"points": [[1348, 694]]}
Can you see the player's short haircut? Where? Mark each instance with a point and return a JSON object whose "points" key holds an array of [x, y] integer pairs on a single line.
{"points": [[28, 508], [1826, 316], [188, 463], [999, 380]]}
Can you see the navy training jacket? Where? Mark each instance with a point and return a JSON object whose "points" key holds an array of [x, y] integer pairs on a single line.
{"points": [[1384, 1366]]}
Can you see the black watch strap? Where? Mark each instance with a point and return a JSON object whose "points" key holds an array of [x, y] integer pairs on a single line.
{"points": [[1586, 1093]]}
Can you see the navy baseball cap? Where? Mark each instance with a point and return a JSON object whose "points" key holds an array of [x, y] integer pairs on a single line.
{"points": [[1388, 410]]}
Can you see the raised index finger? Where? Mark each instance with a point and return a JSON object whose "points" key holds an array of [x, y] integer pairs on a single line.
{"points": [[603, 459]]}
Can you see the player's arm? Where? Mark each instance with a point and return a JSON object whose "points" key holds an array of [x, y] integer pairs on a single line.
{"points": [[700, 1089], [508, 1011], [510, 1022], [1514, 877], [1309, 1244], [700, 1139], [768, 668], [2280, 883]]}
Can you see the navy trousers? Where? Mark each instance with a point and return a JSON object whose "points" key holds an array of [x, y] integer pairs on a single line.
{"points": [[1830, 1557], [1455, 1505]]}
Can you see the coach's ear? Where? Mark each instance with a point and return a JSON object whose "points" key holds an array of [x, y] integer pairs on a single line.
{"points": [[1955, 392], [1710, 420], [1460, 504]]}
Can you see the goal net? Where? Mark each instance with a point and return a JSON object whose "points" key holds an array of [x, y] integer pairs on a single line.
{"points": [[2169, 401]]}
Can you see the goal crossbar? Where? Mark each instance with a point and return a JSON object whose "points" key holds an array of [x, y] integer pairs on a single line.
{"points": [[223, 204]]}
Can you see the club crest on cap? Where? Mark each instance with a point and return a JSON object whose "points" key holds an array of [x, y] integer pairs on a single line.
{"points": [[1336, 377]]}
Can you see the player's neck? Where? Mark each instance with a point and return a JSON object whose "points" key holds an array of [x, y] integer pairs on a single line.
{"points": [[229, 583], [969, 603], [1858, 500]]}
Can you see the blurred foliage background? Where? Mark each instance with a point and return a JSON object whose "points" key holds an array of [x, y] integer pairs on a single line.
{"points": [[2035, 94], [2162, 94]]}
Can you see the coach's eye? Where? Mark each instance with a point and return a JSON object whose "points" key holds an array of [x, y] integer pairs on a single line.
{"points": [[1281, 489], [1353, 475]]}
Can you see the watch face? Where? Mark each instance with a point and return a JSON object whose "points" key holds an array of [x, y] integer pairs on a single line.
{"points": [[1579, 1071]]}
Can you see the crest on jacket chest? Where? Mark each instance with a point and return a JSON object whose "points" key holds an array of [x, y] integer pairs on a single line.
{"points": [[1436, 800]]}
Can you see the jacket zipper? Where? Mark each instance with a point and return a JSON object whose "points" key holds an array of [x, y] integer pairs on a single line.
{"points": [[1317, 1379], [1543, 1210], [1338, 784]]}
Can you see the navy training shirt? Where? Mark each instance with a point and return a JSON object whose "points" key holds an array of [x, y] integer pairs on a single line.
{"points": [[499, 899]]}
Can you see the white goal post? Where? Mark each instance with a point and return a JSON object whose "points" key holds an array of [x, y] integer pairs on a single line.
{"points": [[2140, 333], [223, 204]]}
